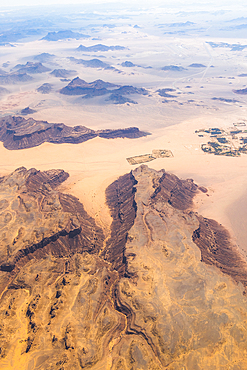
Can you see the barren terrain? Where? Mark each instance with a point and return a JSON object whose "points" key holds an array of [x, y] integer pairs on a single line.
{"points": [[105, 264]]}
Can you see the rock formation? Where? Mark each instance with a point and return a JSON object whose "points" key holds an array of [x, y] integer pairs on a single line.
{"points": [[164, 291], [20, 133]]}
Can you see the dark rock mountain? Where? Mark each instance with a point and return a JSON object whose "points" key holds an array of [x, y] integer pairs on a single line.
{"points": [[63, 35], [127, 64], [197, 65], [20, 133], [44, 57], [31, 67], [99, 47], [27, 111], [45, 88], [173, 68]]}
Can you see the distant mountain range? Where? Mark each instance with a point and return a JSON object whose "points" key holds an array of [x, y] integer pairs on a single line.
{"points": [[99, 87], [93, 63]]}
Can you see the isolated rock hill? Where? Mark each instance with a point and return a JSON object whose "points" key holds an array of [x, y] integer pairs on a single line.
{"points": [[31, 67], [99, 47], [160, 293], [45, 88], [197, 65], [173, 68], [63, 35], [44, 57], [20, 133], [27, 111]]}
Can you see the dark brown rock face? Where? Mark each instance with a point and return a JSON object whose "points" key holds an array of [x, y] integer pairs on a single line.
{"points": [[20, 133], [216, 248], [178, 193], [120, 198]]}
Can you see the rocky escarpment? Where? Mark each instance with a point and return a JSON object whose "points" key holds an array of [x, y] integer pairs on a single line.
{"points": [[144, 298], [217, 249], [120, 198], [20, 133]]}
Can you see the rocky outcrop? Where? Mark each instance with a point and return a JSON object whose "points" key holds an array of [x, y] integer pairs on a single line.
{"points": [[37, 220], [161, 292], [217, 249], [20, 133], [120, 198], [27, 110], [45, 88]]}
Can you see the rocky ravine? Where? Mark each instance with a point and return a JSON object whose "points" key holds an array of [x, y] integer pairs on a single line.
{"points": [[165, 291], [20, 133]]}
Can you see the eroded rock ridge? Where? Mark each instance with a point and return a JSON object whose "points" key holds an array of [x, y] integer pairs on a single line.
{"points": [[20, 133], [164, 291]]}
